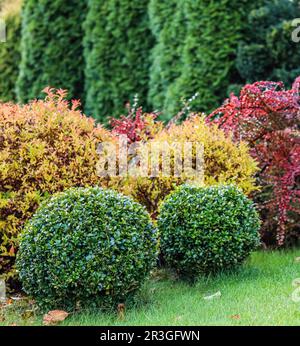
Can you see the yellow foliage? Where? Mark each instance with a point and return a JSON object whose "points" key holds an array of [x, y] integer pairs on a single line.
{"points": [[224, 162], [45, 147]]}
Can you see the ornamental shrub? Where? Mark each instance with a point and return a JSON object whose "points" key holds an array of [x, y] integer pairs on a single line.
{"points": [[45, 147], [224, 162], [51, 48], [10, 50], [117, 52], [267, 117], [137, 125], [87, 247], [207, 230]]}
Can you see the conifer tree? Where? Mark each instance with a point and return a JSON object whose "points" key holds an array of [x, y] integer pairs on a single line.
{"points": [[10, 49], [117, 43]]}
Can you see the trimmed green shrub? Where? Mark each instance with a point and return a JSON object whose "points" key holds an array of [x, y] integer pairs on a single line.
{"points": [[86, 246], [268, 52], [206, 230], [10, 50], [167, 23], [117, 53], [51, 48]]}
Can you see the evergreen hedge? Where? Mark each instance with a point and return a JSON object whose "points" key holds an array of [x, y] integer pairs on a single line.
{"points": [[268, 52], [51, 47], [168, 26], [214, 30]]}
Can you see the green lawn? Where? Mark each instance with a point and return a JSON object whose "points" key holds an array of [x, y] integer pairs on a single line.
{"points": [[258, 294]]}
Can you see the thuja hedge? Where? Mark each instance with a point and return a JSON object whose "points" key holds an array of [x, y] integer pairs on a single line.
{"points": [[88, 247], [10, 50], [167, 22], [267, 51], [117, 49], [214, 30], [51, 47]]}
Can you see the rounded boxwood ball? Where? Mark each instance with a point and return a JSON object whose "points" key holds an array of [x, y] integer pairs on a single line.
{"points": [[88, 247], [207, 229]]}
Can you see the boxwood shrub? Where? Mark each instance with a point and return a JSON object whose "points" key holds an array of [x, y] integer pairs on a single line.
{"points": [[88, 247], [207, 229]]}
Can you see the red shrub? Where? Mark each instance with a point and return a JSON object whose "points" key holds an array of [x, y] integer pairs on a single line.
{"points": [[268, 117]]}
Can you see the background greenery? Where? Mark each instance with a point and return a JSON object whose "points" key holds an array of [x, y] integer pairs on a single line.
{"points": [[108, 51], [10, 51], [51, 47], [268, 52]]}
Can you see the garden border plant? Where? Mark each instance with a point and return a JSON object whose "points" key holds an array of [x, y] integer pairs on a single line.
{"points": [[205, 230]]}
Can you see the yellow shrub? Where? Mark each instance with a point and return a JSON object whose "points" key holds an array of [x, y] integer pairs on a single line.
{"points": [[45, 147], [224, 162]]}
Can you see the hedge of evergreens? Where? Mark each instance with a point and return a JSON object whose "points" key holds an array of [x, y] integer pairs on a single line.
{"points": [[117, 53], [105, 52], [214, 30], [168, 26]]}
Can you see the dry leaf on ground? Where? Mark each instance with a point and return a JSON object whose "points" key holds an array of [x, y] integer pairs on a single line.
{"points": [[235, 317], [55, 316], [121, 312], [213, 296]]}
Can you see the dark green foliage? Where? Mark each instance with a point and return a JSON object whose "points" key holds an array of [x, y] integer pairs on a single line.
{"points": [[268, 51], [117, 52], [214, 30], [206, 230], [10, 55], [51, 47], [86, 245], [168, 25]]}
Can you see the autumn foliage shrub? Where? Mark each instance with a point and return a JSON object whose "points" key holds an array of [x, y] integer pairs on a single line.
{"points": [[224, 162], [87, 247], [45, 147], [267, 117], [206, 230]]}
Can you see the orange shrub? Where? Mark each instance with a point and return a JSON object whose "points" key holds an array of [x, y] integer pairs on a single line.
{"points": [[45, 147]]}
